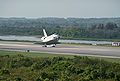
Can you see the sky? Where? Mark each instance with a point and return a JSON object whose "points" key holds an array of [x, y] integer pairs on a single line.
{"points": [[60, 8]]}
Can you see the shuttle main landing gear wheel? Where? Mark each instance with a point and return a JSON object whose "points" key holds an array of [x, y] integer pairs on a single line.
{"points": [[44, 45]]}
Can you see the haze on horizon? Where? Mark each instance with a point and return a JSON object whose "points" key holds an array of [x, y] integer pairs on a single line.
{"points": [[60, 8]]}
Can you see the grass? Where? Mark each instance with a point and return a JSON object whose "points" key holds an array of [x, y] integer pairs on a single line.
{"points": [[83, 44], [113, 60], [91, 39], [34, 55], [17, 40]]}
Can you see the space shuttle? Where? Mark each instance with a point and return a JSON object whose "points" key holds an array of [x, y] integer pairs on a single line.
{"points": [[49, 40]]}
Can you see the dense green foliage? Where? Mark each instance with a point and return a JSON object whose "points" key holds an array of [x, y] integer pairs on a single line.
{"points": [[106, 28], [23, 68]]}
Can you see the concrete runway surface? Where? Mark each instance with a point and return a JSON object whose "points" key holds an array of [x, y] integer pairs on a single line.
{"points": [[84, 50]]}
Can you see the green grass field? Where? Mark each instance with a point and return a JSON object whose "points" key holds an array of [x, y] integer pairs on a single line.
{"points": [[34, 54], [92, 39]]}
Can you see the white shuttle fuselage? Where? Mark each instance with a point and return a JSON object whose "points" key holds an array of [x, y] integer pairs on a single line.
{"points": [[49, 40]]}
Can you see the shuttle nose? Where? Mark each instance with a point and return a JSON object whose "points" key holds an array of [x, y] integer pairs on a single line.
{"points": [[57, 37]]}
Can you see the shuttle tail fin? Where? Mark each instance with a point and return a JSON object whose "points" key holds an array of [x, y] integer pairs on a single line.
{"points": [[45, 34]]}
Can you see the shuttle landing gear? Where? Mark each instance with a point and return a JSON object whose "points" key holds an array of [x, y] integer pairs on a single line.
{"points": [[52, 45], [44, 45]]}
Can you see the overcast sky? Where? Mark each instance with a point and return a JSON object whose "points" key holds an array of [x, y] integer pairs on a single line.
{"points": [[60, 8]]}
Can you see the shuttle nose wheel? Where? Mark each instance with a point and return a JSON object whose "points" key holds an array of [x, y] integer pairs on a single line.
{"points": [[44, 45]]}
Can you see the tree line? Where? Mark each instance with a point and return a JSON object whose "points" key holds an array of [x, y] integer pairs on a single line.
{"points": [[106, 28]]}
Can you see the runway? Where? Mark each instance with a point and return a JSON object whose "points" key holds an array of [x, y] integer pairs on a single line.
{"points": [[85, 50]]}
